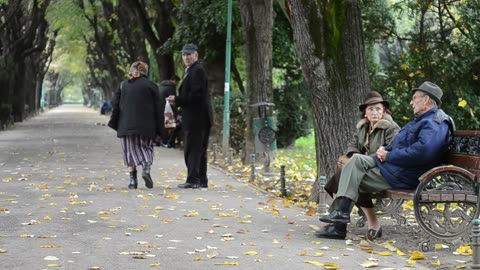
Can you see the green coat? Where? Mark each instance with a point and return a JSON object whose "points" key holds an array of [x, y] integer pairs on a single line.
{"points": [[381, 135]]}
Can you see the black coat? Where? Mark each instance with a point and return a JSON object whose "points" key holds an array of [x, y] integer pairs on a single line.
{"points": [[194, 99], [137, 109]]}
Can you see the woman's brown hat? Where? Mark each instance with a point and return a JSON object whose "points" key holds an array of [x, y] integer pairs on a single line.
{"points": [[373, 97]]}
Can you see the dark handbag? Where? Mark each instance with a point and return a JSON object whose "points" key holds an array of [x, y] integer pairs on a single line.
{"points": [[114, 118]]}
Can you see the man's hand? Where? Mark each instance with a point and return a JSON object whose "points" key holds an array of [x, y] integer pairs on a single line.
{"points": [[382, 154], [171, 99]]}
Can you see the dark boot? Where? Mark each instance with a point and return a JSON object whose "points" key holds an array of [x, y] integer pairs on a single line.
{"points": [[133, 180], [333, 231], [339, 211], [146, 175]]}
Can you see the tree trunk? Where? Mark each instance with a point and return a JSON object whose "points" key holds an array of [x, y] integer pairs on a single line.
{"points": [[257, 23], [329, 40]]}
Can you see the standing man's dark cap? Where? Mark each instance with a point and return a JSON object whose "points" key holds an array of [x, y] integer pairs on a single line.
{"points": [[189, 48]]}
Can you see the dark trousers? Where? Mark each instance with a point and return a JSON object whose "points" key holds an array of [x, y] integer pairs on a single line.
{"points": [[195, 152], [174, 136]]}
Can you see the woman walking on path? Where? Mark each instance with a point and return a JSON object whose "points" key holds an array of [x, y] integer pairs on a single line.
{"points": [[137, 117]]}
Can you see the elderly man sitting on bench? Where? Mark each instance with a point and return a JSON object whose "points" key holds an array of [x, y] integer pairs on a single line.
{"points": [[418, 147]]}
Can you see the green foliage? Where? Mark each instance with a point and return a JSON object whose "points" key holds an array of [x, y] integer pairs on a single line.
{"points": [[441, 47], [70, 53], [72, 95], [238, 116], [301, 157], [204, 22], [290, 93], [293, 112]]}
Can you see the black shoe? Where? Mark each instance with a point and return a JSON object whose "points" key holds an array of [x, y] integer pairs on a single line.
{"points": [[333, 231], [146, 175], [133, 180], [336, 216], [204, 185], [188, 185], [339, 211], [373, 234]]}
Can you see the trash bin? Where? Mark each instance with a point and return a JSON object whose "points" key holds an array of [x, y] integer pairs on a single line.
{"points": [[264, 129]]}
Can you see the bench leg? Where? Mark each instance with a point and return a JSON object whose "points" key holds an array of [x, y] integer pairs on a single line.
{"points": [[385, 207]]}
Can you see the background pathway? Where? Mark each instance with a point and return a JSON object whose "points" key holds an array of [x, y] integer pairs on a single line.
{"points": [[64, 205]]}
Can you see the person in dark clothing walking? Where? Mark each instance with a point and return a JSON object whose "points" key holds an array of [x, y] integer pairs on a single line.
{"points": [[168, 88], [137, 117], [197, 116]]}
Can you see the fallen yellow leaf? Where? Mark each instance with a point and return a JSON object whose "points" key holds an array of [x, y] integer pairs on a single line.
{"points": [[228, 263], [49, 246], [331, 265], [464, 250], [311, 212], [417, 255], [314, 263], [172, 196], [368, 264], [250, 253], [303, 252]]}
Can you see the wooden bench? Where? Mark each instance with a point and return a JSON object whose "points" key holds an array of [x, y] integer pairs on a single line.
{"points": [[447, 199]]}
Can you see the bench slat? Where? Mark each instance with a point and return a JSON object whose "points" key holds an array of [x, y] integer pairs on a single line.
{"points": [[471, 163], [399, 193]]}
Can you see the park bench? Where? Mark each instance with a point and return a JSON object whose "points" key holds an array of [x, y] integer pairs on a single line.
{"points": [[446, 201]]}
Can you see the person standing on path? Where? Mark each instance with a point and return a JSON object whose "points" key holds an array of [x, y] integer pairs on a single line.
{"points": [[197, 116], [168, 88], [137, 117]]}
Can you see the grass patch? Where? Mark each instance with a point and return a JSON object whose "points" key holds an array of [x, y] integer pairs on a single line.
{"points": [[302, 156]]}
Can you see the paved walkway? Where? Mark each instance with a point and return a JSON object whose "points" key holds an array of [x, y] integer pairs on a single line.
{"points": [[64, 205]]}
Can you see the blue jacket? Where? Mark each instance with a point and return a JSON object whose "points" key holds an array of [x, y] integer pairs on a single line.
{"points": [[418, 147]]}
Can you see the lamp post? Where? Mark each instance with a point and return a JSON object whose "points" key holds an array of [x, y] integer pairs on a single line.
{"points": [[226, 99]]}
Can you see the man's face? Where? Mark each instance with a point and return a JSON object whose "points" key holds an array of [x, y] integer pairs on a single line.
{"points": [[420, 102], [189, 58]]}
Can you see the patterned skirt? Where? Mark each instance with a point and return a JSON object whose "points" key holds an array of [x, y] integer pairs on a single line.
{"points": [[137, 149]]}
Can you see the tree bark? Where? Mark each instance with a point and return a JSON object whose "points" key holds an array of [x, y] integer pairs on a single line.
{"points": [[328, 37], [257, 24]]}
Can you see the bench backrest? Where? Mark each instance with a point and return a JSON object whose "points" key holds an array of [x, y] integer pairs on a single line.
{"points": [[465, 151]]}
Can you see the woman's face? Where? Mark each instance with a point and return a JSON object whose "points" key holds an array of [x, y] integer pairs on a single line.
{"points": [[374, 112]]}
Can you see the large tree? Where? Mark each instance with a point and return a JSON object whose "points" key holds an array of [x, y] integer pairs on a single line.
{"points": [[154, 18], [257, 24], [329, 41], [25, 50]]}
